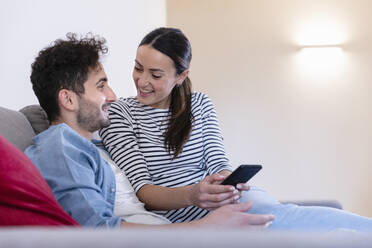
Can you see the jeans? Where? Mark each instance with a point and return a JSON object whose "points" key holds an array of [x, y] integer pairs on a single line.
{"points": [[303, 218]]}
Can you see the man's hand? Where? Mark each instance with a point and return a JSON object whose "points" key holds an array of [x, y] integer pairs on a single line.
{"points": [[209, 194], [234, 216], [225, 218]]}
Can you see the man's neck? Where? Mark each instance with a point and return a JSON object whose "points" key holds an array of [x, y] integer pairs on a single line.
{"points": [[86, 134]]}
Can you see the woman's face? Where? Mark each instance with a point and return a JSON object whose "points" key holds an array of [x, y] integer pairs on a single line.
{"points": [[155, 76]]}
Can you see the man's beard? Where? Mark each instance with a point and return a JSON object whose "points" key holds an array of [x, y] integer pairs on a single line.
{"points": [[89, 115]]}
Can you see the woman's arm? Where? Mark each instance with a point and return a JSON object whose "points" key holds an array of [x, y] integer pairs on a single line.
{"points": [[214, 153], [214, 149], [121, 142], [205, 194]]}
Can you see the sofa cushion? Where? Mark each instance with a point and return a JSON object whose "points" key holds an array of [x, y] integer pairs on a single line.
{"points": [[15, 128], [25, 197], [37, 117]]}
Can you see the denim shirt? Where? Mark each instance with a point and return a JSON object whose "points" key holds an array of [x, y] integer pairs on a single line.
{"points": [[82, 182]]}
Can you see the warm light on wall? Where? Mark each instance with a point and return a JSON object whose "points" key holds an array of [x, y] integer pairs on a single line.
{"points": [[321, 55], [321, 32], [321, 60]]}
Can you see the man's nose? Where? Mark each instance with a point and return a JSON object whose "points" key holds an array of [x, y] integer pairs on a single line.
{"points": [[110, 95]]}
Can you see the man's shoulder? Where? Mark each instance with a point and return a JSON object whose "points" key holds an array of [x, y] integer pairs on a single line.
{"points": [[58, 144], [48, 145], [56, 133], [55, 139]]}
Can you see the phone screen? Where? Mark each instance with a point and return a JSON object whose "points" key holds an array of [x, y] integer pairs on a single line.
{"points": [[242, 174]]}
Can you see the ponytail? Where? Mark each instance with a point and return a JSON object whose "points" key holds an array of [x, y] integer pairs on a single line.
{"points": [[180, 122], [174, 44]]}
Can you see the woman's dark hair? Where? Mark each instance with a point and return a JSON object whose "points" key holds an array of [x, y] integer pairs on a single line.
{"points": [[64, 65], [173, 43]]}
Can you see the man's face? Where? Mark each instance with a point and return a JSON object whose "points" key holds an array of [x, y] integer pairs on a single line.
{"points": [[94, 103]]}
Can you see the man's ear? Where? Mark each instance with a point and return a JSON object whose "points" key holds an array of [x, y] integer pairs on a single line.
{"points": [[182, 77], [67, 99]]}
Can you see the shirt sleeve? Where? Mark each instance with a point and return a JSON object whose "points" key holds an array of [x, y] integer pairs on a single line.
{"points": [[121, 142], [214, 150], [76, 180]]}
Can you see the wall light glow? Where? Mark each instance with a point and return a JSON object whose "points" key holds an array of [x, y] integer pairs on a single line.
{"points": [[320, 40], [321, 62], [322, 32]]}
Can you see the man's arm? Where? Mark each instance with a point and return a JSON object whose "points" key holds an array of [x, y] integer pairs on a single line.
{"points": [[228, 216], [81, 183]]}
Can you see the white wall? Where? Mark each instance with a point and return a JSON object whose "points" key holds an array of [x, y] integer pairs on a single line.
{"points": [[308, 123], [27, 26]]}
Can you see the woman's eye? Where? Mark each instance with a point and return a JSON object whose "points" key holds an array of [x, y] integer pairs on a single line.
{"points": [[137, 68], [156, 76]]}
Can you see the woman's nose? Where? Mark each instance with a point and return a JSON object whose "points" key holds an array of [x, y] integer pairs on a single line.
{"points": [[143, 80]]}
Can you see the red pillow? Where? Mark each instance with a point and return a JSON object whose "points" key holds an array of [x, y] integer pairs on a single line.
{"points": [[25, 197]]}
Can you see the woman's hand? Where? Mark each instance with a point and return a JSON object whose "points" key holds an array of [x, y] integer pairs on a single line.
{"points": [[209, 194], [240, 186]]}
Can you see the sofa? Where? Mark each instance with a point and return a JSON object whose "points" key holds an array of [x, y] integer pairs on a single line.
{"points": [[18, 127]]}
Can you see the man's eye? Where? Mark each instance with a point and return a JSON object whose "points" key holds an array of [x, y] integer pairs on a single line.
{"points": [[156, 76], [137, 68]]}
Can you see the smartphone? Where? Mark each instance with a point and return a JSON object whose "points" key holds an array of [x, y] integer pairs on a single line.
{"points": [[242, 174]]}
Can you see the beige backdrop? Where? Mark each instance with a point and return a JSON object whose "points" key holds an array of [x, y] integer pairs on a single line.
{"points": [[306, 118]]}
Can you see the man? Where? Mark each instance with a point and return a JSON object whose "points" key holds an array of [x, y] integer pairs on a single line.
{"points": [[72, 87]]}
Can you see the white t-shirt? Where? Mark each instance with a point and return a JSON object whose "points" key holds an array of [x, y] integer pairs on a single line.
{"points": [[127, 205]]}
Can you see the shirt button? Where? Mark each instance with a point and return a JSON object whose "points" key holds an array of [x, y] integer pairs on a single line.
{"points": [[112, 190]]}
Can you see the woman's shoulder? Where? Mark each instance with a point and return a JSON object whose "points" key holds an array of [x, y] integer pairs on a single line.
{"points": [[126, 101], [122, 108], [200, 99], [126, 104]]}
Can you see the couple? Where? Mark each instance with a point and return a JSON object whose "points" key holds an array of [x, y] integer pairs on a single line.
{"points": [[166, 140]]}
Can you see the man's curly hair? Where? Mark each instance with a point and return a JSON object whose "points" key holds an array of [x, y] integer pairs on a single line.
{"points": [[64, 65]]}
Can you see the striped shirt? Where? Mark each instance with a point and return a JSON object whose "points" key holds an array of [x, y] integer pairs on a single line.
{"points": [[135, 142]]}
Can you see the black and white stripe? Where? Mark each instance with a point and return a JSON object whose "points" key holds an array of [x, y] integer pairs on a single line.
{"points": [[135, 142]]}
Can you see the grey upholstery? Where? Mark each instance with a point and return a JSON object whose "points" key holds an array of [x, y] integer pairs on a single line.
{"points": [[15, 127], [37, 117], [177, 238]]}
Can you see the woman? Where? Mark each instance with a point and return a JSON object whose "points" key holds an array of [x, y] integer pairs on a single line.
{"points": [[168, 142]]}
